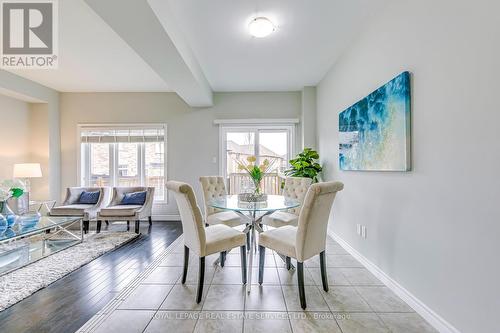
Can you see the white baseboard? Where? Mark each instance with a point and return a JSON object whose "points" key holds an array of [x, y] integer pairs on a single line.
{"points": [[172, 217], [427, 313]]}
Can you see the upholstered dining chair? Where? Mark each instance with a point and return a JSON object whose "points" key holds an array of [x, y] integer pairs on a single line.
{"points": [[128, 204], [214, 187], [86, 206], [308, 238], [202, 240], [295, 188]]}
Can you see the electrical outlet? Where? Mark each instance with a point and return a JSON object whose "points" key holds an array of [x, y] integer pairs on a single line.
{"points": [[363, 231], [358, 229]]}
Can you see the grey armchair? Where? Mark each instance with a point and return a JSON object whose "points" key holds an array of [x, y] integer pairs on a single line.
{"points": [[71, 207], [116, 211]]}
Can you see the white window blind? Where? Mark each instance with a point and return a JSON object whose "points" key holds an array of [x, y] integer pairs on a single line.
{"points": [[122, 135], [124, 155]]}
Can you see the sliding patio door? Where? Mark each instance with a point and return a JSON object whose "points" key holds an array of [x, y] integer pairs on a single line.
{"points": [[271, 143]]}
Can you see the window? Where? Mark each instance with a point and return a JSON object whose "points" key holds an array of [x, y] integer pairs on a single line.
{"points": [[124, 155], [274, 143]]}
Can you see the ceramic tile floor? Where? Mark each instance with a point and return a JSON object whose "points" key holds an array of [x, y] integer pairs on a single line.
{"points": [[356, 302]]}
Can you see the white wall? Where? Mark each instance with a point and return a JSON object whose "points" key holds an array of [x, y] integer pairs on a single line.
{"points": [[14, 134], [192, 136], [39, 149], [308, 118], [435, 230], [29, 91]]}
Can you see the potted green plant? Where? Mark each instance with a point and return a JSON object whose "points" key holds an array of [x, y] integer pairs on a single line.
{"points": [[305, 164]]}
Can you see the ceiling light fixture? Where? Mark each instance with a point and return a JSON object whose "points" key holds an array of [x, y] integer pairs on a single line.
{"points": [[261, 27]]}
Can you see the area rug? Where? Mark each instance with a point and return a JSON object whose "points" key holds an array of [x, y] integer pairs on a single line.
{"points": [[19, 284]]}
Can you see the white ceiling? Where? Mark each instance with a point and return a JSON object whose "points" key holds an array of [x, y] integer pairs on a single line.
{"points": [[92, 57], [311, 35]]}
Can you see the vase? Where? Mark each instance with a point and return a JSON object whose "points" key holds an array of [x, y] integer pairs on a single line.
{"points": [[256, 187], [8, 214], [3, 224]]}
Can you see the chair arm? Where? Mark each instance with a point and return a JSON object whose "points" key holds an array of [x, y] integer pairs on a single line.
{"points": [[147, 208]]}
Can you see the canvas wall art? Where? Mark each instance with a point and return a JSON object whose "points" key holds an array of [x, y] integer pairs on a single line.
{"points": [[374, 133]]}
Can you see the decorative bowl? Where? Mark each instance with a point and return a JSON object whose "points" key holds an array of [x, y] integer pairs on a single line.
{"points": [[11, 220], [252, 197], [29, 220]]}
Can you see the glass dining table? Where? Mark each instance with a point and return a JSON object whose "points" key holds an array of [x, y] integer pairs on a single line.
{"points": [[252, 213]]}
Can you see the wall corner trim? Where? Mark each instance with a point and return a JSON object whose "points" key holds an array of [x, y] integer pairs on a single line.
{"points": [[438, 322]]}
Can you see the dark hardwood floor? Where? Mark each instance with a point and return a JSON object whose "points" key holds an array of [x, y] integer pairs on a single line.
{"points": [[68, 303]]}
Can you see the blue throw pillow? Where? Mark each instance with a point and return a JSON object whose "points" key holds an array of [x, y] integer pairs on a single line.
{"points": [[134, 198], [89, 198]]}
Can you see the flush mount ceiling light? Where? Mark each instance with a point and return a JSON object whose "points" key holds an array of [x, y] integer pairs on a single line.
{"points": [[261, 27]]}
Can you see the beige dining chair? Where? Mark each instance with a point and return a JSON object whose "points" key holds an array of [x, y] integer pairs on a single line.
{"points": [[295, 188], [202, 240], [213, 188], [308, 238]]}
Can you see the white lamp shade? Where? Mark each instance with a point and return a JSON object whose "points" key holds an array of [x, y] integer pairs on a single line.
{"points": [[27, 170]]}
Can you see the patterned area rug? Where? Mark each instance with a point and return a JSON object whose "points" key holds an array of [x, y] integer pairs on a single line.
{"points": [[19, 284]]}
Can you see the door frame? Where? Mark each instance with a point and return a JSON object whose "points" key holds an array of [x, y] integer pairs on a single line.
{"points": [[225, 128]]}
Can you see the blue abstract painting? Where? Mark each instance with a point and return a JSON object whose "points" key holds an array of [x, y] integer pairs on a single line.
{"points": [[374, 133]]}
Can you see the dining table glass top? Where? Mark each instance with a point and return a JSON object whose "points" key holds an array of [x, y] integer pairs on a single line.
{"points": [[272, 203]]}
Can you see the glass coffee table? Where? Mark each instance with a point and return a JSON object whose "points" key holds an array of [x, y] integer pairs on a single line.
{"points": [[20, 246], [253, 212]]}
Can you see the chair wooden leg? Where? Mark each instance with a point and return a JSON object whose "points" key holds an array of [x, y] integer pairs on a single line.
{"points": [[288, 261], [85, 226], [137, 226], [322, 263], [128, 225], [98, 227], [150, 220], [248, 240], [243, 254], [223, 258], [262, 259], [300, 279], [186, 264], [201, 280], [107, 222]]}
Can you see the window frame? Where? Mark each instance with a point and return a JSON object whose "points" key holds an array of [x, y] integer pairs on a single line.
{"points": [[113, 153], [252, 126]]}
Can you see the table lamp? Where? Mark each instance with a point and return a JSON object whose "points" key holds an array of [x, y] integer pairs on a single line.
{"points": [[26, 171]]}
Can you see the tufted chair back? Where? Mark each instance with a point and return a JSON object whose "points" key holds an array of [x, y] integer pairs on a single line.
{"points": [[313, 219], [296, 188], [213, 187], [192, 221]]}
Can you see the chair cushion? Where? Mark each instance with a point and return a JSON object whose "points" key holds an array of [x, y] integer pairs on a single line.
{"points": [[221, 238], [134, 198], [89, 198], [281, 240], [228, 218], [280, 219], [70, 210], [120, 210]]}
